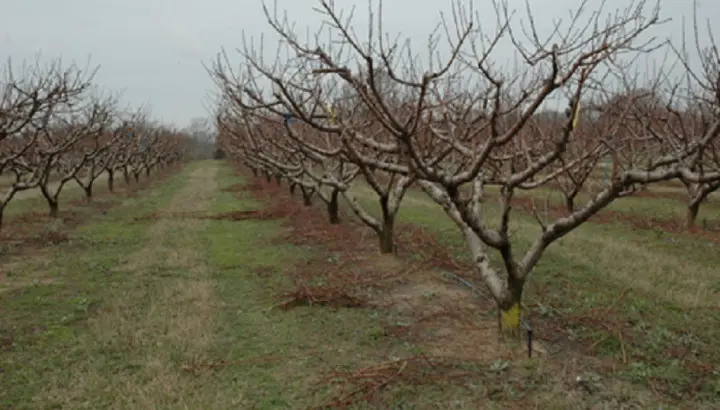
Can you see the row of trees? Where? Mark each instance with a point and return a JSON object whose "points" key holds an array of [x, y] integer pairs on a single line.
{"points": [[471, 133], [57, 127]]}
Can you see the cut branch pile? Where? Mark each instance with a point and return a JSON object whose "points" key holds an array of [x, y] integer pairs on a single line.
{"points": [[365, 383], [339, 287]]}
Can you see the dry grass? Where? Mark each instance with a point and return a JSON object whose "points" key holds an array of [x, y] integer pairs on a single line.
{"points": [[156, 324], [178, 320], [167, 302], [625, 303], [662, 274]]}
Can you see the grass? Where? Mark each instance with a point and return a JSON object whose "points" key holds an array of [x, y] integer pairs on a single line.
{"points": [[663, 208], [50, 307], [33, 199], [662, 295], [138, 313], [135, 311], [285, 344]]}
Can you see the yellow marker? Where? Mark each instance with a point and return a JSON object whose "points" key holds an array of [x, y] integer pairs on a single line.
{"points": [[511, 317], [576, 115], [330, 111]]}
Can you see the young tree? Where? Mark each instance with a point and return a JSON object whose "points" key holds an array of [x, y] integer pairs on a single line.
{"points": [[60, 149], [27, 104], [699, 117], [96, 147]]}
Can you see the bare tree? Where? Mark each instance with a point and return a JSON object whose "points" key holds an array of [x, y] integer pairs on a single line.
{"points": [[95, 149], [203, 138], [343, 132], [29, 106], [488, 138], [119, 153], [697, 115], [60, 147]]}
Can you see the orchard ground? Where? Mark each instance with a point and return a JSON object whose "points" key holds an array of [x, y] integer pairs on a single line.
{"points": [[210, 290]]}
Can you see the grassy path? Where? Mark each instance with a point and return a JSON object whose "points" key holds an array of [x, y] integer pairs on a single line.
{"points": [[170, 313], [175, 325], [101, 324]]}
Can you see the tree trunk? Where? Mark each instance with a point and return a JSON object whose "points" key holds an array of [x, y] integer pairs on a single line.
{"points": [[2, 212], [307, 199], [54, 208], [333, 208], [570, 202], [268, 177], [111, 181], [386, 234], [137, 177], [292, 188], [510, 310], [691, 214], [699, 195], [307, 195], [52, 201], [255, 172], [88, 192], [278, 179], [147, 172], [126, 175]]}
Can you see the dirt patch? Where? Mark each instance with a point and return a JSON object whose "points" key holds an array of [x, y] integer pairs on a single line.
{"points": [[21, 271], [446, 319]]}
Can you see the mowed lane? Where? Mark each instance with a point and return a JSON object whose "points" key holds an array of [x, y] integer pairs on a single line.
{"points": [[137, 308], [146, 310], [172, 323]]}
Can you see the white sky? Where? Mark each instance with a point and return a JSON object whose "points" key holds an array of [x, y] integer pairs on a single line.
{"points": [[153, 49]]}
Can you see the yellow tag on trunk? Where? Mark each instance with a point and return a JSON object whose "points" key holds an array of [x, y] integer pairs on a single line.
{"points": [[576, 115], [511, 317], [330, 111]]}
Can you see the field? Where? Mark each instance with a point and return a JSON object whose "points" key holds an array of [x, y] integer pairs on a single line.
{"points": [[209, 290]]}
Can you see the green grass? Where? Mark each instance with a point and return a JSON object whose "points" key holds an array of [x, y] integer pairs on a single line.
{"points": [[32, 199], [47, 302], [662, 208], [670, 287], [133, 313], [178, 313], [309, 341]]}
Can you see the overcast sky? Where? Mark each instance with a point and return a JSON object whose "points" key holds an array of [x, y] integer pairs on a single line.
{"points": [[153, 49]]}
